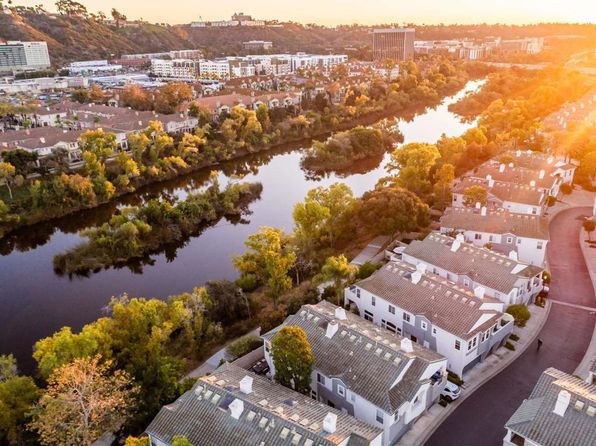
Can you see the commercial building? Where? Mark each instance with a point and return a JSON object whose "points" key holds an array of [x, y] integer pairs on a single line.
{"points": [[92, 67], [393, 43], [235, 407], [503, 278], [254, 45], [24, 56], [561, 410], [462, 324], [531, 45], [378, 377]]}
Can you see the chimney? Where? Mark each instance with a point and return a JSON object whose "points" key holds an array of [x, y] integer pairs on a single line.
{"points": [[563, 401], [236, 408], [502, 168], [511, 165], [491, 183], [340, 314], [478, 205], [421, 267], [330, 423], [533, 183], [416, 276], [479, 292], [489, 177], [456, 245], [550, 160], [246, 385], [513, 255], [541, 175], [483, 211], [518, 153], [406, 345], [42, 140], [332, 328]]}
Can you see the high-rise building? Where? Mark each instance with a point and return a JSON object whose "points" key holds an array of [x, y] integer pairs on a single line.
{"points": [[24, 56], [393, 43]]}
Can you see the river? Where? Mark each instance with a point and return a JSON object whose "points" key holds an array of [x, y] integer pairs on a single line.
{"points": [[35, 301]]}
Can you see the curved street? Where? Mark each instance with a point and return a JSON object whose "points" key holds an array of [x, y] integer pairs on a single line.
{"points": [[566, 335]]}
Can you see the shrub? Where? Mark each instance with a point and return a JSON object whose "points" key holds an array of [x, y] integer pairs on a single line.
{"points": [[509, 346], [366, 270], [514, 337], [242, 346], [520, 313], [546, 277], [443, 402], [566, 189], [454, 378], [551, 201], [247, 282]]}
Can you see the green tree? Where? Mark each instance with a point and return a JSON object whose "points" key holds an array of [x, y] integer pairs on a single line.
{"points": [[23, 161], [180, 440], [269, 257], [338, 270], [135, 441], [262, 114], [520, 314], [475, 194], [17, 396], [292, 358], [7, 176], [443, 179], [389, 210], [84, 399], [8, 367], [412, 163]]}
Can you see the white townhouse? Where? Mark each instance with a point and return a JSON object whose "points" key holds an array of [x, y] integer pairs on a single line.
{"points": [[561, 410], [504, 232], [378, 377], [235, 407], [504, 278], [43, 141], [512, 197], [538, 161], [461, 325]]}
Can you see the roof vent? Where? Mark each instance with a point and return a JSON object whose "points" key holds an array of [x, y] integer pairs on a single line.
{"points": [[455, 246], [550, 160], [491, 183], [236, 408], [518, 153], [416, 276], [489, 177], [478, 204], [542, 173], [460, 238], [340, 314], [532, 183], [246, 385], [483, 211], [501, 169], [332, 328], [42, 140], [479, 292], [563, 400], [579, 405], [591, 411], [406, 345], [510, 164], [513, 255], [330, 423]]}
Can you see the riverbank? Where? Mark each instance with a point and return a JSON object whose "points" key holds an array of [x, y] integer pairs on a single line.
{"points": [[32, 216]]}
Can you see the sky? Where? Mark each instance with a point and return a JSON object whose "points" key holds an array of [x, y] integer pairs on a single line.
{"points": [[335, 12]]}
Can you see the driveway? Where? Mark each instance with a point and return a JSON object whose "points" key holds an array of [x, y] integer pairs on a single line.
{"points": [[567, 333]]}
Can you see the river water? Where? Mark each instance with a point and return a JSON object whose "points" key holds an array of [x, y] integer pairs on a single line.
{"points": [[35, 302]]}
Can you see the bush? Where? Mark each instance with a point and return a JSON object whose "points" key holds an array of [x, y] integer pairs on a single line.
{"points": [[551, 201], [514, 337], [242, 346], [454, 378], [247, 282], [366, 270], [566, 189], [520, 313], [509, 346]]}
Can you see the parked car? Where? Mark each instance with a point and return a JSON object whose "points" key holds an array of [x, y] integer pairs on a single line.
{"points": [[451, 392]]}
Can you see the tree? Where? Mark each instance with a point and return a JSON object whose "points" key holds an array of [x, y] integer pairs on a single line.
{"points": [[84, 399], [589, 226], [443, 179], [263, 116], [136, 97], [7, 176], [389, 210], [520, 314], [118, 17], [70, 7], [338, 270], [413, 163], [270, 258], [586, 173], [227, 302], [134, 441], [23, 161], [8, 367], [475, 194], [17, 396], [292, 358], [180, 440], [169, 97]]}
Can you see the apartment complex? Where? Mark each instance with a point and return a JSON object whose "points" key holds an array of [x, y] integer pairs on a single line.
{"points": [[232, 406], [378, 377], [23, 56], [561, 410], [504, 278], [254, 45], [393, 43], [181, 69], [462, 324]]}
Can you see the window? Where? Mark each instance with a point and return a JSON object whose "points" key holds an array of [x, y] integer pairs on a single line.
{"points": [[368, 315], [534, 211], [389, 326], [313, 394], [379, 416], [434, 331], [539, 245], [477, 236], [509, 240], [466, 283], [341, 390], [320, 379], [358, 293], [391, 309], [457, 345], [373, 301], [353, 397], [424, 325], [406, 317], [490, 238], [472, 343]]}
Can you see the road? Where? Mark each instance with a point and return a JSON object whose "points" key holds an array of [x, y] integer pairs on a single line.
{"points": [[566, 334]]}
